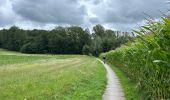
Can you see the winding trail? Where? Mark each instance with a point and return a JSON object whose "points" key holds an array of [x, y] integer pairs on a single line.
{"points": [[113, 89]]}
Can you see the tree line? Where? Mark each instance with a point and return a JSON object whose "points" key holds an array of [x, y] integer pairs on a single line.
{"points": [[62, 40]]}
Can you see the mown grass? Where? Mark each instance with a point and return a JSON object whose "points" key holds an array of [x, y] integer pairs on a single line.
{"points": [[11, 57], [7, 52], [47, 77]]}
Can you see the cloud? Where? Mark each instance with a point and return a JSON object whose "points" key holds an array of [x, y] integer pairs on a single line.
{"points": [[7, 16], [115, 14], [94, 20], [50, 11], [129, 11]]}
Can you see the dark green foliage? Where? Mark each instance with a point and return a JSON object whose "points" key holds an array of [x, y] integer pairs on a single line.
{"points": [[28, 48], [61, 40], [98, 30], [69, 40], [12, 39], [105, 40], [77, 38], [57, 40], [97, 46], [86, 50], [147, 60], [37, 42]]}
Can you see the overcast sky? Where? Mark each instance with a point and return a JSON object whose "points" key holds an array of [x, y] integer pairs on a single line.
{"points": [[46, 14]]}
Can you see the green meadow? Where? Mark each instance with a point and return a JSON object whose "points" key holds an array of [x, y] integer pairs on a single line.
{"points": [[50, 77]]}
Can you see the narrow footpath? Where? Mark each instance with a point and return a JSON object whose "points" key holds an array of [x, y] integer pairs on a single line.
{"points": [[113, 89]]}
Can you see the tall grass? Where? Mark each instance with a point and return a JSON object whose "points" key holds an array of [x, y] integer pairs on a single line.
{"points": [[147, 60]]}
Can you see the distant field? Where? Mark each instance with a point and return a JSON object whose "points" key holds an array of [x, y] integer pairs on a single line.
{"points": [[9, 57], [50, 77]]}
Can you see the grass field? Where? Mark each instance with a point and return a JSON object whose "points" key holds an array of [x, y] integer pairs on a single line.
{"points": [[50, 77]]}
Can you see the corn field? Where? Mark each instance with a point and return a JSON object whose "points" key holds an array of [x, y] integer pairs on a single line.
{"points": [[147, 60]]}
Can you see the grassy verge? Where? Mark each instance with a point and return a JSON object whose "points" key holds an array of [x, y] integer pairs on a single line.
{"points": [[47, 77], [129, 87]]}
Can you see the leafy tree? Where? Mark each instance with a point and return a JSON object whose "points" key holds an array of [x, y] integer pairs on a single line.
{"points": [[97, 46], [86, 50], [99, 30], [29, 48], [14, 38], [57, 40], [77, 39], [61, 40]]}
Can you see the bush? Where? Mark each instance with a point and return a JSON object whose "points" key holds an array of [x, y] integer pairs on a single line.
{"points": [[28, 48], [86, 50], [147, 60]]}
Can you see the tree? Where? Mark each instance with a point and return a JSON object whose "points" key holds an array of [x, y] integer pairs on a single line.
{"points": [[14, 38], [41, 42], [107, 44], [61, 40], [29, 48], [58, 41], [99, 30], [86, 50], [77, 39], [97, 46]]}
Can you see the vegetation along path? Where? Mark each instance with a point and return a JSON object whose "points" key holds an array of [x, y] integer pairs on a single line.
{"points": [[113, 89]]}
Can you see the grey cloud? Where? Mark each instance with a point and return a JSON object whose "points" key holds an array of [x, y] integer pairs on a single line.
{"points": [[2, 3], [129, 11], [7, 16], [94, 20], [50, 11], [97, 1], [119, 14]]}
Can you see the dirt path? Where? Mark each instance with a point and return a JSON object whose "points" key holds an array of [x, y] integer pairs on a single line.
{"points": [[113, 89]]}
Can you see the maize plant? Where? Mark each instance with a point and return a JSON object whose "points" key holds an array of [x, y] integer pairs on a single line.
{"points": [[147, 60]]}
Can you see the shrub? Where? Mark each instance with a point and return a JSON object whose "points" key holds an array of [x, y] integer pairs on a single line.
{"points": [[28, 48], [86, 50]]}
